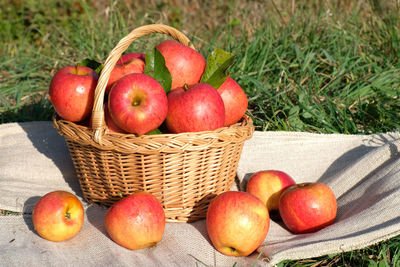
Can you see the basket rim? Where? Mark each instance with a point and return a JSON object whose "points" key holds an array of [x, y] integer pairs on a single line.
{"points": [[156, 143]]}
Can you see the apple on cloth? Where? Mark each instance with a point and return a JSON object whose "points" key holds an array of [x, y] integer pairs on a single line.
{"points": [[58, 216], [307, 207], [237, 223], [268, 185], [136, 221]]}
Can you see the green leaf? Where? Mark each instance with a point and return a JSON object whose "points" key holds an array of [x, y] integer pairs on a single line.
{"points": [[93, 64], [218, 63], [155, 68], [156, 131]]}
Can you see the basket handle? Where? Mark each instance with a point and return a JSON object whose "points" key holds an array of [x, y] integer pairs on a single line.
{"points": [[97, 116]]}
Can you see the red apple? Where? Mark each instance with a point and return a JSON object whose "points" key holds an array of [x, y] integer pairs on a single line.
{"points": [[185, 64], [58, 216], [195, 108], [72, 92], [235, 101], [127, 64], [126, 57], [267, 185], [111, 126], [136, 221], [138, 103], [307, 207], [237, 223]]}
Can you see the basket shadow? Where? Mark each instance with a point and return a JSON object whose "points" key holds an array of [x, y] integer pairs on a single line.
{"points": [[47, 141], [200, 208], [96, 215]]}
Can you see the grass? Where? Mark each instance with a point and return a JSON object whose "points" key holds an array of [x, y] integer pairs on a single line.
{"points": [[315, 66]]}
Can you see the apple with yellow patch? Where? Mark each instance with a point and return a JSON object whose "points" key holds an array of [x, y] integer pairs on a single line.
{"points": [[58, 216], [267, 185], [237, 223]]}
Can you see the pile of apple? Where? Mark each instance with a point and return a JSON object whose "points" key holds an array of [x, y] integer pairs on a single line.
{"points": [[237, 222], [303, 207], [172, 86]]}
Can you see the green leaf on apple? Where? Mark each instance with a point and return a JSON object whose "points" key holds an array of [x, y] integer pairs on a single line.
{"points": [[218, 63], [155, 68], [93, 64]]}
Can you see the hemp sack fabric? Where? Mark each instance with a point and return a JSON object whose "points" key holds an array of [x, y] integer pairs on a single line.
{"points": [[362, 170]]}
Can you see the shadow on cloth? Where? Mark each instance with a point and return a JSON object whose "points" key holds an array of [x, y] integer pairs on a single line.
{"points": [[96, 217], [48, 142], [27, 211], [351, 157]]}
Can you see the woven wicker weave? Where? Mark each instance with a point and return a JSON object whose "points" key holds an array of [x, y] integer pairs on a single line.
{"points": [[184, 171]]}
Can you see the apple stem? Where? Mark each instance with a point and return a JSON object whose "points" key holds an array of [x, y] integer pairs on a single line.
{"points": [[77, 68], [67, 215], [186, 87]]}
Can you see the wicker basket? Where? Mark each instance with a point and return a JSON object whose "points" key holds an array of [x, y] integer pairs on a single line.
{"points": [[184, 171]]}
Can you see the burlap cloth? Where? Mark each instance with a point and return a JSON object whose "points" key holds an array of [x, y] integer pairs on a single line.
{"points": [[362, 170]]}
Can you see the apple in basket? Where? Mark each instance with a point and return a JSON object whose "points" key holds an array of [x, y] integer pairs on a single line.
{"points": [[137, 103], [72, 92], [185, 64], [307, 207], [195, 108], [267, 185], [235, 101], [237, 223], [127, 64], [58, 216], [111, 126], [136, 221]]}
